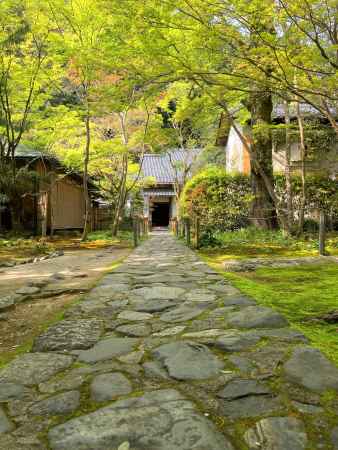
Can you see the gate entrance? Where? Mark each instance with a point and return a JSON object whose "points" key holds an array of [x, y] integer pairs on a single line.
{"points": [[160, 214]]}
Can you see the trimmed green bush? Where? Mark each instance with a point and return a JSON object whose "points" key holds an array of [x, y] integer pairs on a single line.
{"points": [[221, 201]]}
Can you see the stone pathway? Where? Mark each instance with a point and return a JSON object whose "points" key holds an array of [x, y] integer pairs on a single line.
{"points": [[165, 355]]}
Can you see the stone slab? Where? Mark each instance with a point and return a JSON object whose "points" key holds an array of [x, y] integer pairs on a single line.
{"points": [[33, 368], [7, 303], [158, 420], [243, 388], [134, 316], [309, 368], [58, 405], [69, 335], [11, 391], [181, 314], [108, 386], [250, 406], [159, 293], [277, 433], [134, 330], [170, 331], [256, 317], [152, 306], [107, 349], [334, 438], [188, 360], [236, 342], [5, 424]]}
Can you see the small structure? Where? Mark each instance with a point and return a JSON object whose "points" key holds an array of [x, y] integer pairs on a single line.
{"points": [[167, 173], [56, 200]]}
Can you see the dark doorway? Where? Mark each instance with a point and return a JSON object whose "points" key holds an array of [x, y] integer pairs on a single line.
{"points": [[160, 216]]}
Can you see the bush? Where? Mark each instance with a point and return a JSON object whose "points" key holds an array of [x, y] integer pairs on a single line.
{"points": [[322, 193], [221, 201]]}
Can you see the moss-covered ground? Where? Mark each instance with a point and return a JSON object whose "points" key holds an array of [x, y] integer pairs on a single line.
{"points": [[254, 243], [301, 293], [16, 248]]}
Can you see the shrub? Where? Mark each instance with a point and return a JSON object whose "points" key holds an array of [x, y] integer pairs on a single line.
{"points": [[221, 201], [321, 193]]}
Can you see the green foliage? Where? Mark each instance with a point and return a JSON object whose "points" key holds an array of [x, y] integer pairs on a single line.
{"points": [[300, 293], [14, 186], [220, 200], [321, 192], [252, 242], [32, 247], [320, 139], [191, 116], [105, 236], [29, 69]]}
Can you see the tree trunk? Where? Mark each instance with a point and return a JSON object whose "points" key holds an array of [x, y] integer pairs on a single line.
{"points": [[302, 171], [288, 179], [85, 178], [322, 232], [263, 210], [16, 216], [121, 196], [223, 131]]}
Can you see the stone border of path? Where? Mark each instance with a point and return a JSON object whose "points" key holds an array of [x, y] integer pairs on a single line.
{"points": [[248, 265], [164, 354], [32, 260]]}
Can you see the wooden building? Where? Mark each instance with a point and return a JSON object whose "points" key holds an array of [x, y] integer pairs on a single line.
{"points": [[55, 201]]}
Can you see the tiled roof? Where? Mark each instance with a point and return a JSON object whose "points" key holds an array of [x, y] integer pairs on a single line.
{"points": [[162, 166]]}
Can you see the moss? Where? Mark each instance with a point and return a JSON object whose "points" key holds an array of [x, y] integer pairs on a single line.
{"points": [[253, 243], [301, 293], [6, 357]]}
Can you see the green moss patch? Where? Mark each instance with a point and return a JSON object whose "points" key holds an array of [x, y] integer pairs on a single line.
{"points": [[301, 293]]}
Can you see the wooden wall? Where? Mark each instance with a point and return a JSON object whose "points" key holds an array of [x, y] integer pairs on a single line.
{"points": [[66, 205]]}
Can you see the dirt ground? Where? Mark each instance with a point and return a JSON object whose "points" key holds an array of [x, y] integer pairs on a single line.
{"points": [[18, 326]]}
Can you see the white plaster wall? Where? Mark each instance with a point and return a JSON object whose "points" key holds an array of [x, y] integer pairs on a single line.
{"points": [[234, 152]]}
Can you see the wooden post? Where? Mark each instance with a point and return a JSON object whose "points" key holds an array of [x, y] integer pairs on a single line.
{"points": [[197, 232], [187, 230], [135, 232], [322, 232], [182, 228], [176, 228], [44, 214], [138, 228], [140, 231]]}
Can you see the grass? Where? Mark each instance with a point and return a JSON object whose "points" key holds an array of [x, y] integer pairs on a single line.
{"points": [[14, 248], [18, 248], [254, 243], [300, 293], [104, 238]]}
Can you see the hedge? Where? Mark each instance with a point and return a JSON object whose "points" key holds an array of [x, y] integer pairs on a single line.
{"points": [[222, 201]]}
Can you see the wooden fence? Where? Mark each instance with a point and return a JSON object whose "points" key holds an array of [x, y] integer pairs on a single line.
{"points": [[188, 229], [140, 229]]}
